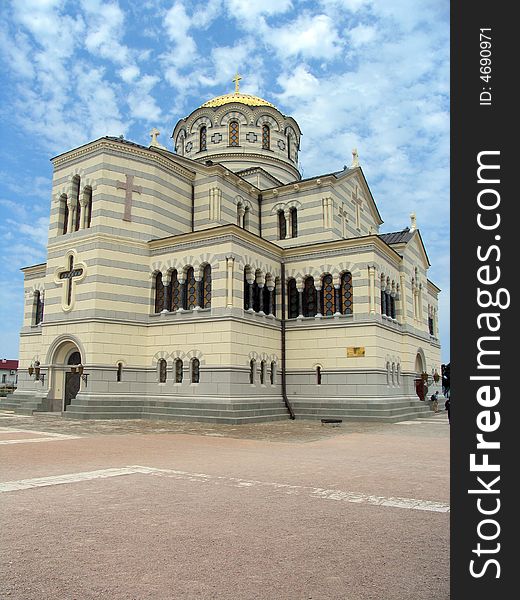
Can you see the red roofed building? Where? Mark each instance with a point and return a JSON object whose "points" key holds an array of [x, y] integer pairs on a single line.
{"points": [[8, 372]]}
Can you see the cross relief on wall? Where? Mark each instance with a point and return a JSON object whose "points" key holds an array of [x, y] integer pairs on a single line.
{"points": [[129, 187], [68, 276]]}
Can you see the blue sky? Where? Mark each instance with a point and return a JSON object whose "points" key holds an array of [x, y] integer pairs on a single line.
{"points": [[370, 74]]}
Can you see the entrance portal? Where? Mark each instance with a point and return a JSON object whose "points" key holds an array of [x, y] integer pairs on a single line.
{"points": [[72, 380]]}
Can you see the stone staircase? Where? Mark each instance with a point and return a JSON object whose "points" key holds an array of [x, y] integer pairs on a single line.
{"points": [[24, 404], [370, 409]]}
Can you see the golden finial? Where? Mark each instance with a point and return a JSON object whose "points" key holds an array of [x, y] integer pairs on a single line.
{"points": [[236, 79]]}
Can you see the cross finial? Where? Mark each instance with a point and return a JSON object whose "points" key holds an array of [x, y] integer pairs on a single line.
{"points": [[355, 158], [413, 222], [153, 134], [236, 79]]}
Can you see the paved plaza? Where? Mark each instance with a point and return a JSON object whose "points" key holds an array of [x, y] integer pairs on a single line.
{"points": [[164, 510]]}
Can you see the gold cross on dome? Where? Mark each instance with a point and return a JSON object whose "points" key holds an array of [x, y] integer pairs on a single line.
{"points": [[236, 79]]}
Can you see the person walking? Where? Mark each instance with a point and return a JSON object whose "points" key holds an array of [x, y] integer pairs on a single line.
{"points": [[447, 407]]}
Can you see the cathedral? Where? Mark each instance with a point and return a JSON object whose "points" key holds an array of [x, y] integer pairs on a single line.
{"points": [[214, 283]]}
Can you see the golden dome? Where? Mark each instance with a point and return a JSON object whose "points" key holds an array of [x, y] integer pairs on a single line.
{"points": [[236, 96]]}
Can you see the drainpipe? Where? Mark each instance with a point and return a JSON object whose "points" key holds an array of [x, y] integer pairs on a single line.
{"points": [[284, 379], [192, 207], [260, 215]]}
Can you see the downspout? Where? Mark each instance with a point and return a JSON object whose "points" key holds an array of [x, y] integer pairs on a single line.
{"points": [[260, 215], [284, 377], [192, 207]]}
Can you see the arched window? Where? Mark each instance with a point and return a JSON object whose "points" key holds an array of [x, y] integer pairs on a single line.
{"points": [[388, 373], [289, 146], [318, 375], [88, 207], [346, 297], [273, 372], [195, 370], [162, 370], [178, 370], [282, 225], [398, 374], [274, 298], [309, 298], [159, 293], [393, 373], [234, 133], [76, 184], [246, 290], [246, 217], [266, 296], [206, 287], [190, 290], [252, 369], [266, 137], [38, 308], [262, 372], [240, 214], [203, 138], [294, 222], [327, 295], [256, 296], [175, 291], [119, 371], [292, 293], [65, 211]]}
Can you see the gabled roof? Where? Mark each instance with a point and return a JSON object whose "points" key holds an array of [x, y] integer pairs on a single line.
{"points": [[7, 364], [403, 237]]}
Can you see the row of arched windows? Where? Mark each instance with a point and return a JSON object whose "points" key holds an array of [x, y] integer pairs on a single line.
{"points": [[76, 210], [234, 136], [389, 294], [178, 370], [326, 301], [184, 291], [263, 372], [259, 292]]}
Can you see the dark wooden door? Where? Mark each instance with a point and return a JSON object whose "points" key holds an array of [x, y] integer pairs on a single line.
{"points": [[72, 381], [420, 388]]}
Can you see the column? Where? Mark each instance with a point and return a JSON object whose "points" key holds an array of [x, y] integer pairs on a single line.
{"points": [[230, 261], [337, 299], [182, 290], [261, 298], [166, 299], [372, 289], [199, 295], [402, 298], [318, 300], [72, 211], [250, 290], [300, 302], [288, 224], [270, 307]]}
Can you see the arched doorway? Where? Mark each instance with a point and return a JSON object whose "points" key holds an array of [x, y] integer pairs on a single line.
{"points": [[72, 379], [64, 379], [421, 386]]}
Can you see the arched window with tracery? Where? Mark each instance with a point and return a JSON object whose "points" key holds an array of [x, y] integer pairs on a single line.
{"points": [[206, 287], [327, 295], [76, 184], [292, 304], [178, 370], [294, 222], [234, 132], [162, 370], [252, 369], [346, 296], [309, 298], [266, 137], [195, 370], [190, 290], [159, 293], [282, 225], [175, 291], [203, 138]]}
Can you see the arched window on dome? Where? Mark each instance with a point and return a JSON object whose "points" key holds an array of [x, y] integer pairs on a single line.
{"points": [[282, 225], [203, 138], [266, 137], [234, 132]]}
